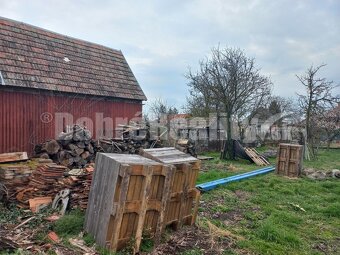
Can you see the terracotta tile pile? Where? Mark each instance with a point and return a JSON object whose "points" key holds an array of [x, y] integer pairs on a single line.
{"points": [[34, 184], [79, 186], [80, 189], [47, 174], [12, 176]]}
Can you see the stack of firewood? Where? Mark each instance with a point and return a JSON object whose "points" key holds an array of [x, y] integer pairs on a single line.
{"points": [[76, 149], [127, 145], [73, 149]]}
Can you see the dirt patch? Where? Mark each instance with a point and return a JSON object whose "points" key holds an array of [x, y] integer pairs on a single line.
{"points": [[242, 195], [190, 238], [231, 217], [328, 248]]}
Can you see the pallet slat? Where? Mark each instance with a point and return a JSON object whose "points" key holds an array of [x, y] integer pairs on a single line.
{"points": [[256, 157]]}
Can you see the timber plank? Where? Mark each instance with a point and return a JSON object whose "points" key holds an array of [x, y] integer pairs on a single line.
{"points": [[13, 157]]}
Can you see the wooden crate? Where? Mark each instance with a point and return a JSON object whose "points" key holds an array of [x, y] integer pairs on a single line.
{"points": [[289, 160], [184, 199], [127, 199]]}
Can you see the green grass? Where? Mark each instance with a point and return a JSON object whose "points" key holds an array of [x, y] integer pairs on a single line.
{"points": [[326, 160], [270, 217], [70, 224]]}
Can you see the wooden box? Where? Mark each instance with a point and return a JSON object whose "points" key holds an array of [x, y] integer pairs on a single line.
{"points": [[184, 199], [289, 160], [127, 199]]}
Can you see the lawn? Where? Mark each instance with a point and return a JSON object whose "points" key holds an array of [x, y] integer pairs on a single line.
{"points": [[267, 214], [273, 214]]}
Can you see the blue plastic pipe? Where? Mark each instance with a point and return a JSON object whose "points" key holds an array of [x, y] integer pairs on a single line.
{"points": [[214, 184]]}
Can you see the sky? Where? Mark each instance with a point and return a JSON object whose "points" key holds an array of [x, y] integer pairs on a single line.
{"points": [[162, 39]]}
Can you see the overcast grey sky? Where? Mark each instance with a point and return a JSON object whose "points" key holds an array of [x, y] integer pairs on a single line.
{"points": [[160, 39]]}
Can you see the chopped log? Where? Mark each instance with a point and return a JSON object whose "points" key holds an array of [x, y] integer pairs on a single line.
{"points": [[71, 147], [51, 147], [81, 145], [85, 155], [65, 136], [89, 148], [44, 156], [81, 134], [79, 151]]}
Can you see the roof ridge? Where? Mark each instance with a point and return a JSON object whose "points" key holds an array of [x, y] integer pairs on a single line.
{"points": [[63, 36]]}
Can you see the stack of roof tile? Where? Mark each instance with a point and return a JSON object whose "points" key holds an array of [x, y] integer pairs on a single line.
{"points": [[12, 175], [41, 178], [47, 174]]}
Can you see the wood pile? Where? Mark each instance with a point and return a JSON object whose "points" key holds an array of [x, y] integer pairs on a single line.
{"points": [[127, 145], [132, 139], [187, 146], [76, 149], [73, 150]]}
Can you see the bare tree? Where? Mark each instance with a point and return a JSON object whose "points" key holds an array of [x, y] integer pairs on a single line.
{"points": [[159, 108], [162, 112], [328, 123], [229, 81], [318, 97]]}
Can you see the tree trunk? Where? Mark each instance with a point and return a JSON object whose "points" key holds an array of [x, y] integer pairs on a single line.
{"points": [[228, 150]]}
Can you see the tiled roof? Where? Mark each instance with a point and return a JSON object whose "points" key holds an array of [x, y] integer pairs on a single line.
{"points": [[32, 57]]}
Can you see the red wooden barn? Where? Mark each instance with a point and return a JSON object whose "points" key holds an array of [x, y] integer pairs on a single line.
{"points": [[49, 81]]}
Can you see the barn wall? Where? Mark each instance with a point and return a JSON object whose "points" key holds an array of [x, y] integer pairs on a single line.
{"points": [[23, 121]]}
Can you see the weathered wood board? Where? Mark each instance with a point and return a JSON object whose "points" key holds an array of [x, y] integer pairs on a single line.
{"points": [[183, 203], [127, 199], [13, 157], [256, 157], [289, 160]]}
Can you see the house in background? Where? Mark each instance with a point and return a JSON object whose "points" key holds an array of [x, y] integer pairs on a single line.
{"points": [[48, 81]]}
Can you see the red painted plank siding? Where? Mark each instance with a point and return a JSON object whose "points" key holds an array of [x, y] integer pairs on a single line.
{"points": [[21, 125]]}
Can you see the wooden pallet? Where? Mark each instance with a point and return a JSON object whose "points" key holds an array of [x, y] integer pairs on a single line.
{"points": [[184, 197], [289, 160], [128, 198], [256, 157]]}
